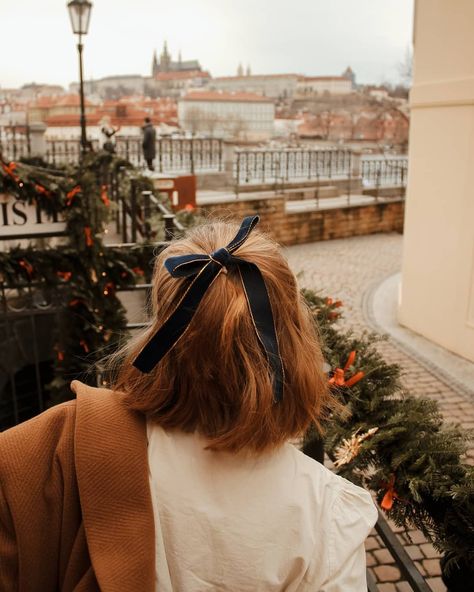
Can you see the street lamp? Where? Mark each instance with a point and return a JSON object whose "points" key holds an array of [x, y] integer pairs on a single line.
{"points": [[80, 13]]}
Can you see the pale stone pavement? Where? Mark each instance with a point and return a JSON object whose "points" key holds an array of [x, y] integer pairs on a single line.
{"points": [[351, 270]]}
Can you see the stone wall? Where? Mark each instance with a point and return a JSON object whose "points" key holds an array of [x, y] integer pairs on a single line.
{"points": [[315, 225]]}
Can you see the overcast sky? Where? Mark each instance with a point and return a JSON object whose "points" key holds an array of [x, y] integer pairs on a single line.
{"points": [[313, 37]]}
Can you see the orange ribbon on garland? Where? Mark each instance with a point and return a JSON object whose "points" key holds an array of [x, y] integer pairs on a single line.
{"points": [[10, 170], [26, 266], [88, 233], [390, 495], [72, 194], [103, 195], [42, 190], [65, 275], [338, 377]]}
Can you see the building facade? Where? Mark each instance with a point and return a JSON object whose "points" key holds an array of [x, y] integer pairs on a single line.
{"points": [[240, 116], [437, 291], [275, 86], [320, 85]]}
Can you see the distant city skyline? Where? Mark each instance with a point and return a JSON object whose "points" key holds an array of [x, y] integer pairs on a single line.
{"points": [[311, 37]]}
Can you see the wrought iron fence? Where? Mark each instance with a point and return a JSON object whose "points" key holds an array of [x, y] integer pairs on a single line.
{"points": [[65, 151], [290, 165], [29, 321], [381, 171], [176, 155]]}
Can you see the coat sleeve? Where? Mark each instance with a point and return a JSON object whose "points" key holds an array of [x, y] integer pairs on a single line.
{"points": [[8, 548]]}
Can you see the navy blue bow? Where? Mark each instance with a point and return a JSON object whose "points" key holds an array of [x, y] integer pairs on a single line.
{"points": [[204, 269]]}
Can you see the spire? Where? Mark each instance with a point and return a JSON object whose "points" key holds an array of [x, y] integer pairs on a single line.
{"points": [[155, 66], [165, 58], [179, 57], [240, 70], [249, 71]]}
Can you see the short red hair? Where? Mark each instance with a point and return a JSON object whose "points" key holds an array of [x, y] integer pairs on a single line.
{"points": [[216, 379]]}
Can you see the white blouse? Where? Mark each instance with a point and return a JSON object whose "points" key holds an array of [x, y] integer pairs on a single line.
{"points": [[238, 523]]}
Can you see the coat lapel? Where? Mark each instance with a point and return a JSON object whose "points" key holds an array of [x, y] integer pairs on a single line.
{"points": [[112, 474]]}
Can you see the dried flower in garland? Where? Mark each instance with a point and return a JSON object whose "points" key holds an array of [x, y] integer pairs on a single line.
{"points": [[350, 447]]}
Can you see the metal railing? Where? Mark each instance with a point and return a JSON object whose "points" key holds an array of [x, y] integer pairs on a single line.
{"points": [[65, 151], [176, 155], [262, 166], [173, 156], [383, 172]]}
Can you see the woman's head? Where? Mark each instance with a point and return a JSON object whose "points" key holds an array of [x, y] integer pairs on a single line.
{"points": [[216, 379]]}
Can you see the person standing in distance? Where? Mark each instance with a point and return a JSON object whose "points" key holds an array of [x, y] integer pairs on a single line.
{"points": [[149, 143]]}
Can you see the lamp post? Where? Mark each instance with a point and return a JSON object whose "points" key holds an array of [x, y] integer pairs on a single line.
{"points": [[79, 13]]}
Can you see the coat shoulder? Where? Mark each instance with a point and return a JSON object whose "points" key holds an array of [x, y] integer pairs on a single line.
{"points": [[25, 446]]}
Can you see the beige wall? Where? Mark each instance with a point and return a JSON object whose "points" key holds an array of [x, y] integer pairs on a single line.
{"points": [[437, 296]]}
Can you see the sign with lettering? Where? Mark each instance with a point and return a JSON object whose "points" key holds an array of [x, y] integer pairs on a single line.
{"points": [[164, 184], [19, 219]]}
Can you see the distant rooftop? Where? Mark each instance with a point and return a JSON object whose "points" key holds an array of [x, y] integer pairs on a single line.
{"points": [[236, 97]]}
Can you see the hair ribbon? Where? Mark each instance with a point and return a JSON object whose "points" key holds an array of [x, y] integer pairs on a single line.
{"points": [[204, 269]]}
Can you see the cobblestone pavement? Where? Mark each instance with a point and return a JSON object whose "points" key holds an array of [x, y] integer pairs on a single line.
{"points": [[350, 270]]}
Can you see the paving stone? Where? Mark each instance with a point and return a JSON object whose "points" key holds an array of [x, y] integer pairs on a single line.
{"points": [[437, 585], [387, 573], [417, 537], [383, 556], [370, 560], [371, 543], [403, 587], [414, 551], [432, 567], [386, 588], [428, 551]]}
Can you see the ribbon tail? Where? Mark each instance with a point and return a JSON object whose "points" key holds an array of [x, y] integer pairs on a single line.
{"points": [[175, 326], [248, 224], [262, 317]]}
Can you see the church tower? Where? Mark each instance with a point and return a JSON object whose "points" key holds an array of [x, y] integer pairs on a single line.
{"points": [[249, 71], [155, 68], [240, 70], [165, 59]]}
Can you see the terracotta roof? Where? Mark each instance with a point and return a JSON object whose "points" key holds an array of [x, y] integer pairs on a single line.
{"points": [[58, 101], [133, 118], [236, 97]]}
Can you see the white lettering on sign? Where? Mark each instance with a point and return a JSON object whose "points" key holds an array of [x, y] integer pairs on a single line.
{"points": [[19, 219], [164, 184]]}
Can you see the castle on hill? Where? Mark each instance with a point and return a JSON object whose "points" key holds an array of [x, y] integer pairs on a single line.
{"points": [[166, 63]]}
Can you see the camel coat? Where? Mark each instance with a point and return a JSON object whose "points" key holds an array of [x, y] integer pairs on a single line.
{"points": [[94, 450]]}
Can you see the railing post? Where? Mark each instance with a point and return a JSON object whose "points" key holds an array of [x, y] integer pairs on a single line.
{"points": [[133, 209], [192, 156], [349, 183], [237, 173], [37, 139], [169, 226], [146, 199]]}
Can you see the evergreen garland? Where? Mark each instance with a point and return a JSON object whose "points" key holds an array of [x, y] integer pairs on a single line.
{"points": [[412, 461], [87, 273]]}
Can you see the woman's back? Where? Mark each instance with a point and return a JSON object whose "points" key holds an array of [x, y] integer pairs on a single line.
{"points": [[241, 522]]}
